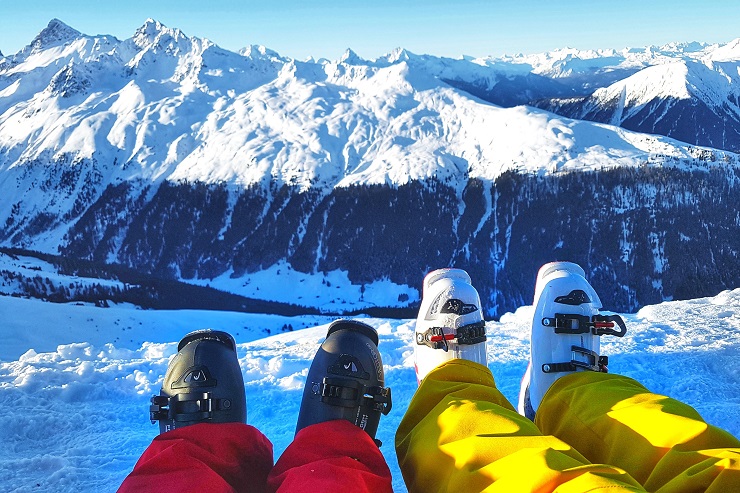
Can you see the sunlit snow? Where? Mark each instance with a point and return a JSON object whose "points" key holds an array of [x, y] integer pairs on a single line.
{"points": [[75, 380]]}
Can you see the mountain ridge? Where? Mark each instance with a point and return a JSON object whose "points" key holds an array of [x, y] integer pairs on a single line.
{"points": [[171, 155], [159, 93]]}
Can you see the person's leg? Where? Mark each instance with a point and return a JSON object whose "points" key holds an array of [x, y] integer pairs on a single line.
{"points": [[331, 456], [204, 442], [661, 442], [218, 458], [346, 379], [460, 434], [344, 397]]}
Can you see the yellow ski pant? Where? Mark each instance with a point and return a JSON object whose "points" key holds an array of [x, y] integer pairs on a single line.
{"points": [[593, 432]]}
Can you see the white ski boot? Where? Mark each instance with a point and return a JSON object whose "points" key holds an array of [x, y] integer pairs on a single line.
{"points": [[450, 323], [565, 331]]}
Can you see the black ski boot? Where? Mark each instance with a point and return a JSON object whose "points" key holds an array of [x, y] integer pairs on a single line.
{"points": [[203, 384], [346, 380]]}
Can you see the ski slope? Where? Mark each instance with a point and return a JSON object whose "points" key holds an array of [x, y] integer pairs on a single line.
{"points": [[75, 380]]}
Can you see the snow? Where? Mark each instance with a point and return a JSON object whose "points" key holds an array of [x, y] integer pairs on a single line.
{"points": [[657, 82], [330, 292], [162, 105], [568, 62], [44, 273], [75, 380], [711, 81]]}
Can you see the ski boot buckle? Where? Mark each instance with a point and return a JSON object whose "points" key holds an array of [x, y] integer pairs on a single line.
{"points": [[594, 363], [469, 334], [569, 323], [192, 406], [351, 393]]}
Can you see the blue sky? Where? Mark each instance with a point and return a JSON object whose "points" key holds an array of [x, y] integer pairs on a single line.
{"points": [[323, 28]]}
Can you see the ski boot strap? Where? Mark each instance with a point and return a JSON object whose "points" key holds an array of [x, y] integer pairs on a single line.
{"points": [[346, 392], [594, 363], [435, 337], [568, 323], [192, 406]]}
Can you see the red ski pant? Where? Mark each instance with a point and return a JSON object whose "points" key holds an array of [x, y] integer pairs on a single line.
{"points": [[237, 458], [593, 432]]}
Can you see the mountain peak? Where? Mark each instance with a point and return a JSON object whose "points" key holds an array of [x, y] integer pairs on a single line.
{"points": [[399, 55], [727, 52], [151, 26], [258, 51], [152, 30], [351, 58], [57, 32]]}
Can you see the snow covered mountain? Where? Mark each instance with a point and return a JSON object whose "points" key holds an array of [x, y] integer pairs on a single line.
{"points": [[690, 100], [688, 91], [163, 105], [173, 156]]}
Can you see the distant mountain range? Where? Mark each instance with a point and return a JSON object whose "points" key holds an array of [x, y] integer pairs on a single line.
{"points": [[171, 155]]}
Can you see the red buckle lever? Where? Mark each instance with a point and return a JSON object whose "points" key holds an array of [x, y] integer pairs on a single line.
{"points": [[604, 325], [443, 337]]}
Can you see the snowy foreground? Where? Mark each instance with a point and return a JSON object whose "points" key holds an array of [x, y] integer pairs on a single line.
{"points": [[75, 380]]}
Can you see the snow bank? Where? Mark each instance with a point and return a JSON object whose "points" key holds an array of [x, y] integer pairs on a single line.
{"points": [[74, 404]]}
